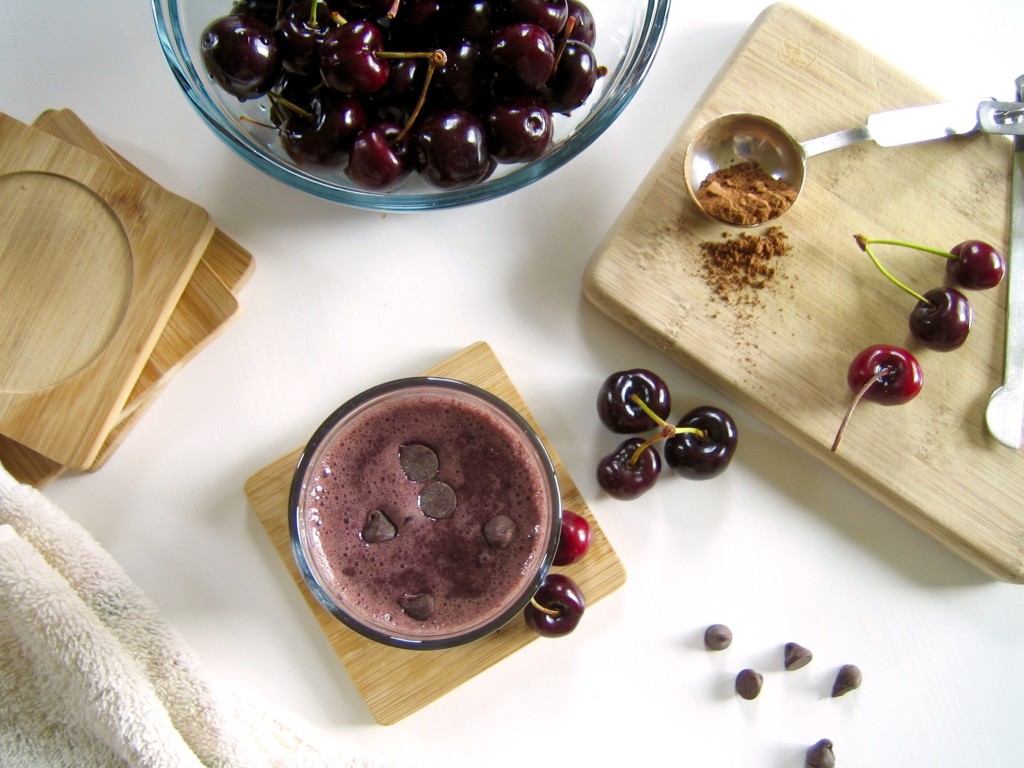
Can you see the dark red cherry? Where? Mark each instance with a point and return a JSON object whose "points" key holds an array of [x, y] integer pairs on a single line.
{"points": [[620, 413], [348, 60], [573, 79], [573, 539], [704, 443], [325, 137], [466, 80], [628, 472], [472, 20], [523, 54], [518, 130], [883, 374], [977, 265], [583, 29], [377, 160], [300, 31], [241, 55], [556, 608], [549, 15], [894, 374], [943, 320], [450, 149]]}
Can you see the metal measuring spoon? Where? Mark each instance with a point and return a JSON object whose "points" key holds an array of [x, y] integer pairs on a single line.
{"points": [[743, 137]]}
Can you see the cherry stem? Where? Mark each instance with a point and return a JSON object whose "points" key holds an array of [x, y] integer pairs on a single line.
{"points": [[570, 24], [247, 119], [881, 374], [667, 430], [904, 244], [393, 10], [279, 101], [865, 245], [544, 608], [436, 59]]}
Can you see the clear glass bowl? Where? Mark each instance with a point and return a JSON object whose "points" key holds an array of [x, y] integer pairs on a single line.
{"points": [[629, 33], [396, 497]]}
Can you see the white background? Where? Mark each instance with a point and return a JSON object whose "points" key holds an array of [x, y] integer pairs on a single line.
{"points": [[780, 548]]}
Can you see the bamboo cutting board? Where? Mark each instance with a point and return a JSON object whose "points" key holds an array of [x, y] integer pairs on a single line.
{"points": [[783, 351], [94, 261], [396, 682]]}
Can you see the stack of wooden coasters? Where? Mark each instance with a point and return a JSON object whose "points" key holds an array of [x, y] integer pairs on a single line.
{"points": [[111, 284]]}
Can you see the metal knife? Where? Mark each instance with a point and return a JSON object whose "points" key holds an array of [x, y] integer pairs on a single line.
{"points": [[927, 123], [1005, 413]]}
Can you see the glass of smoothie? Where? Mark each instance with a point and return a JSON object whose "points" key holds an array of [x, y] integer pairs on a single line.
{"points": [[424, 513]]}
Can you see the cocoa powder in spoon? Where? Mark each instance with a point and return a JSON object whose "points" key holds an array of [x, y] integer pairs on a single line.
{"points": [[745, 195]]}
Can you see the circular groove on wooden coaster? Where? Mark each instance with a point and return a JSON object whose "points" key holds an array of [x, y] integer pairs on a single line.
{"points": [[66, 272]]}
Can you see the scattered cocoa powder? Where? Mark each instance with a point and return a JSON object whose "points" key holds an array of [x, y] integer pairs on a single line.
{"points": [[745, 195], [737, 266]]}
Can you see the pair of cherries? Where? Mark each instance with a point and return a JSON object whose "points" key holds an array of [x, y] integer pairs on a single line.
{"points": [[558, 604], [940, 320]]}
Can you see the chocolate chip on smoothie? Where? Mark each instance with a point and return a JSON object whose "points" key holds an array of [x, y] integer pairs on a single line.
{"points": [[437, 500], [848, 678], [378, 528], [717, 637], [499, 531], [820, 755], [418, 462], [419, 606], [748, 683], [796, 656]]}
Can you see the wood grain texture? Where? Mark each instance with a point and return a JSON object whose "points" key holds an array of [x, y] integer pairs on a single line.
{"points": [[67, 421], [783, 352], [396, 682], [206, 307]]}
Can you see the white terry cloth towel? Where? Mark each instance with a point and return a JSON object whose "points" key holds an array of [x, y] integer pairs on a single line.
{"points": [[91, 676]]}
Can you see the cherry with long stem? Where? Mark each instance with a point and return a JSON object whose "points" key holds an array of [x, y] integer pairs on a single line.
{"points": [[942, 317]]}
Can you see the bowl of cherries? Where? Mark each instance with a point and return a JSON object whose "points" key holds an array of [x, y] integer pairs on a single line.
{"points": [[404, 105]]}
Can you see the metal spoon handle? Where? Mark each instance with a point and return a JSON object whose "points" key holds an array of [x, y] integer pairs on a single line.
{"points": [[836, 140], [1005, 413]]}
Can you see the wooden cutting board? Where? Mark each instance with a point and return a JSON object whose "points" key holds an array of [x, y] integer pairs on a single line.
{"points": [[783, 351], [94, 261], [396, 682], [206, 307]]}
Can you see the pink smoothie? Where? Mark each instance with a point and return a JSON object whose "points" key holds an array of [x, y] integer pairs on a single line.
{"points": [[427, 513]]}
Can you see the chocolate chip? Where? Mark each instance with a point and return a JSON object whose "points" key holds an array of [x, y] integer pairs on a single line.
{"points": [[419, 606], [820, 755], [437, 500], [796, 656], [717, 637], [748, 683], [499, 531], [848, 678], [418, 462], [378, 528]]}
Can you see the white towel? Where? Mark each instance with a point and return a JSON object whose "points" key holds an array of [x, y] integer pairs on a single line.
{"points": [[92, 676]]}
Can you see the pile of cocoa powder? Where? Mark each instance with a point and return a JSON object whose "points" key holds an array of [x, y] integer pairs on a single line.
{"points": [[737, 266]]}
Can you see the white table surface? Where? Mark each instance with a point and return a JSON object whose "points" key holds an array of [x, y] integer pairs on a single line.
{"points": [[780, 548]]}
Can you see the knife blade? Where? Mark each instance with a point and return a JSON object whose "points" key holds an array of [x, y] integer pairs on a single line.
{"points": [[1004, 415], [911, 125]]}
